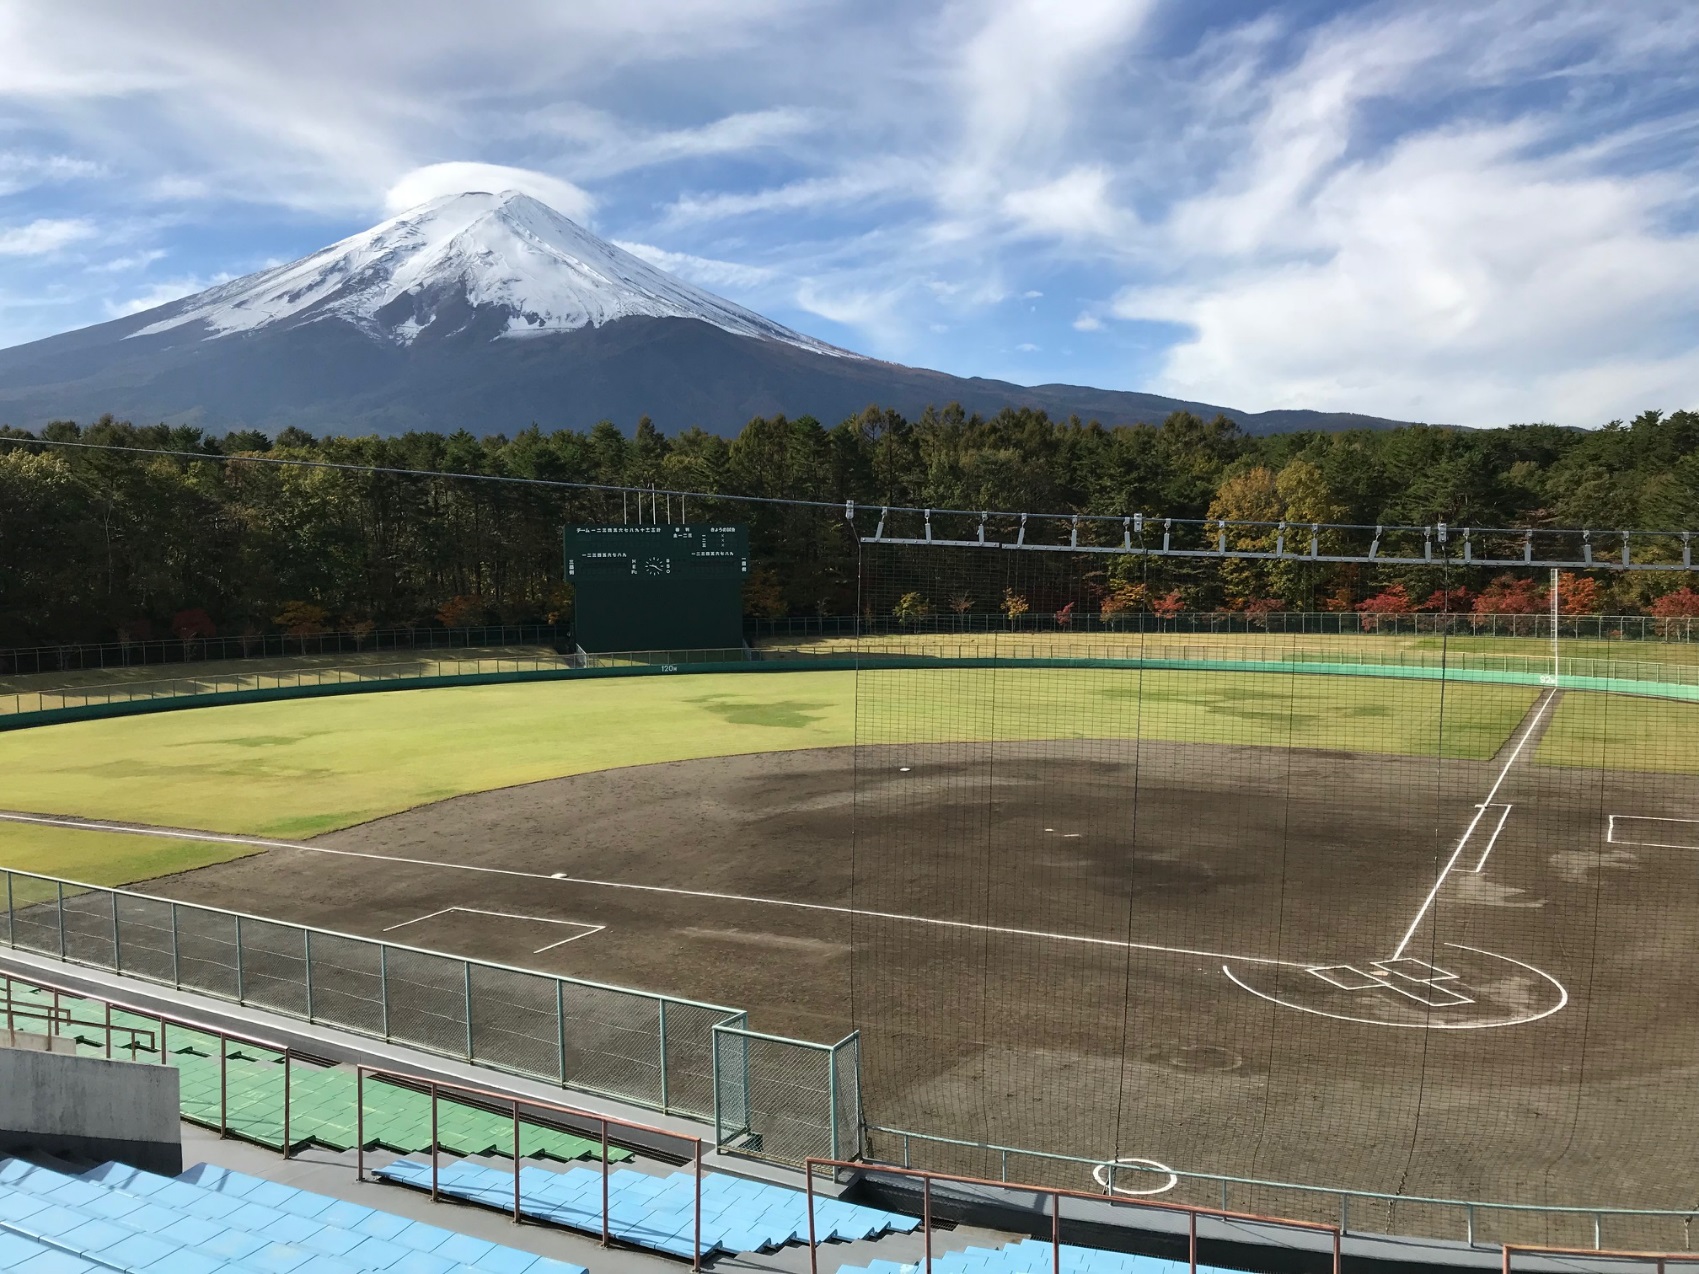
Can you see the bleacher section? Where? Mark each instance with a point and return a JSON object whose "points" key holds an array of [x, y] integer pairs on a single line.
{"points": [[321, 1099], [212, 1221], [658, 1212], [1033, 1256]]}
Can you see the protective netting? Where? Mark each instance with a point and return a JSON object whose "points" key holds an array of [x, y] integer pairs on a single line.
{"points": [[1408, 913]]}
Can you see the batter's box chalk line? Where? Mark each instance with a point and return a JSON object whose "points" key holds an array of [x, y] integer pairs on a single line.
{"points": [[1411, 980], [1648, 831]]}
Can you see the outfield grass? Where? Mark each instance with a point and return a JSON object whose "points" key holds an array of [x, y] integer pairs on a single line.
{"points": [[227, 672], [105, 858], [301, 767], [1623, 732]]}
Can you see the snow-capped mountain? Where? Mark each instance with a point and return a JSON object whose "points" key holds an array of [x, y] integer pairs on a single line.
{"points": [[469, 252], [492, 312]]}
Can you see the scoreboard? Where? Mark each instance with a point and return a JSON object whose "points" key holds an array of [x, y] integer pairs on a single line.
{"points": [[667, 587]]}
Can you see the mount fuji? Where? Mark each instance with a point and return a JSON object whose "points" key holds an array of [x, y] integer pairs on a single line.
{"points": [[490, 312]]}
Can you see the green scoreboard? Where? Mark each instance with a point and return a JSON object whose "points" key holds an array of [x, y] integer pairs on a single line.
{"points": [[668, 587]]}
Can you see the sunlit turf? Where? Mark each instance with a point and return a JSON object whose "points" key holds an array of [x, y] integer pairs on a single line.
{"points": [[1622, 732], [103, 858], [300, 767]]}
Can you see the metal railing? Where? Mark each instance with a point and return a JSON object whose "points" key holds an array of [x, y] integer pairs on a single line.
{"points": [[1658, 1261], [784, 1099], [157, 1043], [1055, 1194], [76, 656], [656, 1051], [1337, 1201], [572, 1114], [1679, 629], [413, 671]]}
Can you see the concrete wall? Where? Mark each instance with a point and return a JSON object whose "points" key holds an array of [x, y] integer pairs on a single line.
{"points": [[91, 1108]]}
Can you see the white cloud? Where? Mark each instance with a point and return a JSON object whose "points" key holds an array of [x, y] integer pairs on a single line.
{"points": [[43, 236], [1088, 323], [434, 180], [162, 292], [124, 264], [1076, 205], [21, 170], [1027, 347], [704, 271]]}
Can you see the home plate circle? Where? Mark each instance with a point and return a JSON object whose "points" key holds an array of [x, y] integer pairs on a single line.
{"points": [[1103, 1174]]}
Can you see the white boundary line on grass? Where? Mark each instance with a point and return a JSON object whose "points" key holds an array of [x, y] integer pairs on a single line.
{"points": [[506, 915], [173, 833], [1480, 812]]}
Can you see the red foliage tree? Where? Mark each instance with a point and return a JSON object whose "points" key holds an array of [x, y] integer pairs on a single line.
{"points": [[192, 624], [1263, 606], [1450, 601], [1065, 616], [1681, 604], [1578, 594], [1508, 595], [1389, 601], [1169, 606]]}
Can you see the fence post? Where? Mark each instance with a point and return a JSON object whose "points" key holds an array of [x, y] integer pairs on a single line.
{"points": [[832, 1100], [359, 1123], [466, 977], [117, 961], [59, 886], [516, 1161], [11, 918], [241, 987], [665, 1108], [307, 959], [604, 1182], [383, 986], [926, 1217], [176, 970], [433, 1141], [223, 1079], [714, 1074], [560, 1027], [287, 1053]]}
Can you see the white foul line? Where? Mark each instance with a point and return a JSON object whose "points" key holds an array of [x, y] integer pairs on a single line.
{"points": [[1480, 811], [220, 838], [1493, 839]]}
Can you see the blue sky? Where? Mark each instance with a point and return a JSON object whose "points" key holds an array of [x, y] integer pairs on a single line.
{"points": [[1477, 213]]}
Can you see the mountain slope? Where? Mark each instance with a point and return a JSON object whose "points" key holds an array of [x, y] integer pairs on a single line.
{"points": [[490, 312]]}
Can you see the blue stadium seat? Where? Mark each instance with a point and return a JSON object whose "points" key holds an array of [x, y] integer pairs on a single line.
{"points": [[1033, 1256], [658, 1212], [213, 1221]]}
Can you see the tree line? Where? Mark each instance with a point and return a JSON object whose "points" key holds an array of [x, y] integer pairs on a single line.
{"points": [[98, 544]]}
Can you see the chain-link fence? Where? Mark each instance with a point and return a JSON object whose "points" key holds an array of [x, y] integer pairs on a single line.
{"points": [[651, 1050], [786, 1100]]}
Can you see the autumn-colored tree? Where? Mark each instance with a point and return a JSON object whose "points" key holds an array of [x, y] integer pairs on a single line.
{"points": [[911, 609], [1065, 616], [193, 625], [1169, 605], [1014, 606], [1681, 604], [763, 596], [961, 603], [1511, 595], [361, 630], [1450, 601], [465, 611], [1578, 594], [1122, 598], [301, 619], [1394, 600], [1251, 496]]}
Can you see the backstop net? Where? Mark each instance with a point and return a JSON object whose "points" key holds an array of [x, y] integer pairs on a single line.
{"points": [[1408, 907]]}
